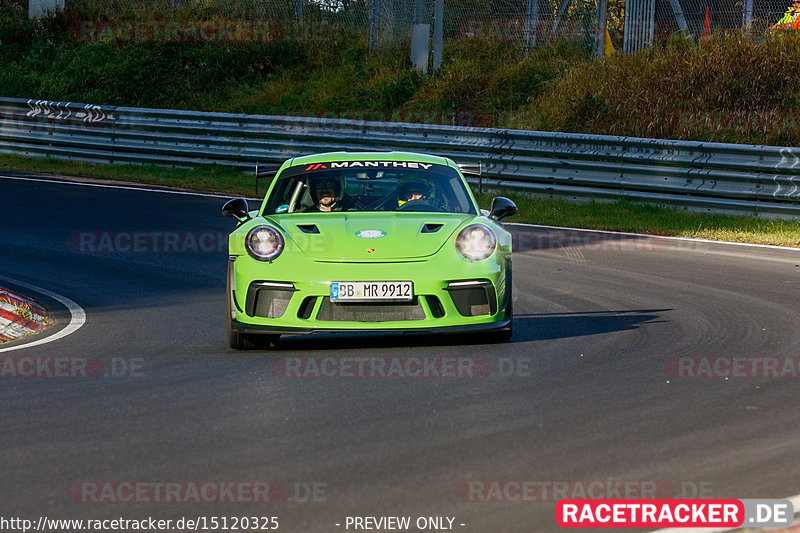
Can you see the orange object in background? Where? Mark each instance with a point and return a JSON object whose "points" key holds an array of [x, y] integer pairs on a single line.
{"points": [[790, 19]]}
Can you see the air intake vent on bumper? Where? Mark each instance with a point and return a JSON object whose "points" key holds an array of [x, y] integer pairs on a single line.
{"points": [[474, 297], [268, 299]]}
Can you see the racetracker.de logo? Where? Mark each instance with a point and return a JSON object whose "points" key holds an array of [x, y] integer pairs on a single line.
{"points": [[650, 513], [392, 367]]}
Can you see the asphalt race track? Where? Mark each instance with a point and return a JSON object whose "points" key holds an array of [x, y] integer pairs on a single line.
{"points": [[587, 390]]}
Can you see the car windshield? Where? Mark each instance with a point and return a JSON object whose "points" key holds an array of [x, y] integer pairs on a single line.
{"points": [[369, 186]]}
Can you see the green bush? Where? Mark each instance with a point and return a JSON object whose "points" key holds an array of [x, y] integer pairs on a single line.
{"points": [[730, 88]]}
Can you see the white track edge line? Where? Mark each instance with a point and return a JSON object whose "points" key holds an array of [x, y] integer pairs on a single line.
{"points": [[77, 315], [647, 235]]}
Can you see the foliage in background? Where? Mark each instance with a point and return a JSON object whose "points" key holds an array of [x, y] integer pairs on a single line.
{"points": [[727, 88]]}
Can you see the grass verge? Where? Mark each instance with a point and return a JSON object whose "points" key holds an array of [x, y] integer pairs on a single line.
{"points": [[621, 215]]}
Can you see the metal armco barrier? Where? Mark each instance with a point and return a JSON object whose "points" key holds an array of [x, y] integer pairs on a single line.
{"points": [[714, 177]]}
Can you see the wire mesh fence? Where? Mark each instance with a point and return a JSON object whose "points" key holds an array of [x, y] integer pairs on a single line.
{"points": [[525, 22], [385, 23], [528, 23], [721, 15]]}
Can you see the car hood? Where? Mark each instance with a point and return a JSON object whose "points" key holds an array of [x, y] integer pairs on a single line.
{"points": [[370, 236]]}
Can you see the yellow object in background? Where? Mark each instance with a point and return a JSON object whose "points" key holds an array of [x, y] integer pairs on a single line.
{"points": [[608, 49]]}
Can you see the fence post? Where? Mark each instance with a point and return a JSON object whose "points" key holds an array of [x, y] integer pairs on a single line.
{"points": [[531, 23], [438, 33], [747, 15], [420, 38], [562, 11], [374, 17], [679, 17], [419, 11], [600, 28]]}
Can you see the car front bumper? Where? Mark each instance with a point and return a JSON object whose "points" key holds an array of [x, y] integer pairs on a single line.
{"points": [[280, 299]]}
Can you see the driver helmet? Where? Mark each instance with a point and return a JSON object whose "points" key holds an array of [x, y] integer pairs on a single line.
{"points": [[413, 190], [324, 184]]}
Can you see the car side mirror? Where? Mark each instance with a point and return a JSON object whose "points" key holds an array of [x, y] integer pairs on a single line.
{"points": [[236, 208], [502, 207]]}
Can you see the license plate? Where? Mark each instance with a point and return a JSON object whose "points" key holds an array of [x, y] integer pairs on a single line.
{"points": [[372, 291]]}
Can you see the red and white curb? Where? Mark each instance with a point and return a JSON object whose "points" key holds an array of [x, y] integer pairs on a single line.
{"points": [[19, 315], [76, 321]]}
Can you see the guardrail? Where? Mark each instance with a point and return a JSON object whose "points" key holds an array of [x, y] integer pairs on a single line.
{"points": [[714, 177]]}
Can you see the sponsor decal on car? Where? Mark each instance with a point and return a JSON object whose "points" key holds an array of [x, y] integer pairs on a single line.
{"points": [[369, 164], [370, 233]]}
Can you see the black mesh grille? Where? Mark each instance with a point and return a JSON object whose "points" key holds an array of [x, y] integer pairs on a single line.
{"points": [[369, 312], [474, 301], [267, 302]]}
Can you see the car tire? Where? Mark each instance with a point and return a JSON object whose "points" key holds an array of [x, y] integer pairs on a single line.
{"points": [[248, 341], [502, 335]]}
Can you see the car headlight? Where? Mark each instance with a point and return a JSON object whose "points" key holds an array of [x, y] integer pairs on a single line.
{"points": [[476, 242], [264, 243]]}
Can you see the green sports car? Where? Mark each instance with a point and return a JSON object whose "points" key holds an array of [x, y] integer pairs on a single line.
{"points": [[368, 241]]}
